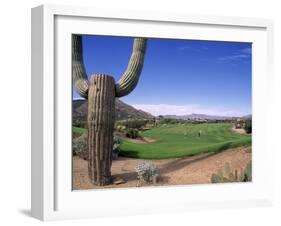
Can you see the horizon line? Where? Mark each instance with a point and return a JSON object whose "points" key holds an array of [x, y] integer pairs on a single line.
{"points": [[184, 110]]}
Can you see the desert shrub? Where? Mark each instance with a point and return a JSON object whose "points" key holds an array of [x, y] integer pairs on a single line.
{"points": [[248, 126], [146, 171], [132, 133], [120, 128], [245, 175], [134, 123], [79, 121], [80, 146], [197, 122], [75, 134], [170, 121], [117, 141]]}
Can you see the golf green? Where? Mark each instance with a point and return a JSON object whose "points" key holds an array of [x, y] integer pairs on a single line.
{"points": [[172, 141]]}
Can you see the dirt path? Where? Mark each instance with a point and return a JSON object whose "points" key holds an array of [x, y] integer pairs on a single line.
{"points": [[189, 170]]}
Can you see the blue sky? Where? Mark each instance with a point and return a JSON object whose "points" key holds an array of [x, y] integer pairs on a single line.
{"points": [[179, 76]]}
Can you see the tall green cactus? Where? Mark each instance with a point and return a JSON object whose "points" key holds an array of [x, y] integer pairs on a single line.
{"points": [[101, 91]]}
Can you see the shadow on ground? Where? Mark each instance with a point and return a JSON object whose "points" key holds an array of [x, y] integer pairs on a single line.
{"points": [[180, 163], [25, 212]]}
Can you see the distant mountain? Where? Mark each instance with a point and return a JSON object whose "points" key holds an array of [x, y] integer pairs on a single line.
{"points": [[122, 111], [200, 117], [247, 116], [125, 111]]}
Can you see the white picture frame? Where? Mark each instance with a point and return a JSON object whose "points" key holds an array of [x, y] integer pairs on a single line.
{"points": [[52, 195]]}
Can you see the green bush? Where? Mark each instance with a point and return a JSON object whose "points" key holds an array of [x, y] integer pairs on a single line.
{"points": [[80, 146], [132, 133], [248, 126], [170, 121], [134, 123], [117, 141], [120, 128]]}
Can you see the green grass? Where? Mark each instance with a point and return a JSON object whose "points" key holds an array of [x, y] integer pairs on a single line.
{"points": [[172, 141], [77, 131]]}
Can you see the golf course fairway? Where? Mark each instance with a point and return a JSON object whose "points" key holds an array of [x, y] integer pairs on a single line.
{"points": [[179, 140]]}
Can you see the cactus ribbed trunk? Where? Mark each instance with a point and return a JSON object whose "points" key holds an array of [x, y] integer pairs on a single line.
{"points": [[101, 92], [101, 116]]}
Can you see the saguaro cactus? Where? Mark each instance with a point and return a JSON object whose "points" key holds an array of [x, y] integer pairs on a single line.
{"points": [[101, 91]]}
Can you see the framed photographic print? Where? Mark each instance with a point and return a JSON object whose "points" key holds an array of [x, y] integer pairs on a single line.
{"points": [[136, 112]]}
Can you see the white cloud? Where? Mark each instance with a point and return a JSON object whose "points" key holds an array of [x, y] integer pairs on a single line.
{"points": [[234, 57], [241, 54], [166, 109], [184, 47], [246, 50], [193, 48]]}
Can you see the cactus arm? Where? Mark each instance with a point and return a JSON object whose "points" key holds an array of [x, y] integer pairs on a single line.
{"points": [[80, 79], [131, 76]]}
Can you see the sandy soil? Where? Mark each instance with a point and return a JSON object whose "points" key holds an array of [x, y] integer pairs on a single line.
{"points": [[141, 140], [189, 170], [240, 131]]}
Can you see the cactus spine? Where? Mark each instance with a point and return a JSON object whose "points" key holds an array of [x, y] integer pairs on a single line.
{"points": [[101, 92]]}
